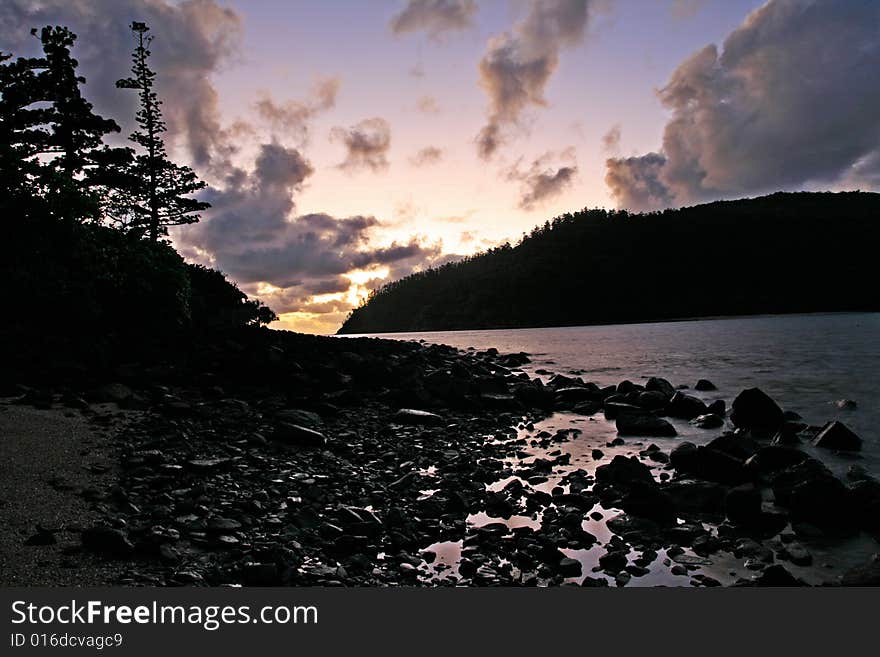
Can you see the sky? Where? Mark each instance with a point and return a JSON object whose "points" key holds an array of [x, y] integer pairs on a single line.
{"points": [[348, 143]]}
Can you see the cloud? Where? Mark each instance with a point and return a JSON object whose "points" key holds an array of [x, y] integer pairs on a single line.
{"points": [[192, 40], [427, 156], [292, 117], [683, 9], [517, 66], [543, 181], [611, 139], [790, 101], [436, 17], [428, 105], [366, 143]]}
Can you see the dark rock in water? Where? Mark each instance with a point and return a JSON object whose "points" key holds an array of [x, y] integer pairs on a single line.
{"points": [[696, 496], [652, 400], [642, 424], [776, 575], [846, 404], [736, 445], [709, 464], [626, 387], [614, 409], [646, 500], [660, 385], [570, 567], [718, 407], [623, 472], [595, 582], [774, 458], [865, 497], [416, 417], [686, 407], [836, 435], [587, 408], [867, 574], [107, 541], [788, 433], [813, 494], [704, 384], [613, 561], [742, 505], [755, 411], [294, 434], [597, 454], [708, 421], [578, 394]]}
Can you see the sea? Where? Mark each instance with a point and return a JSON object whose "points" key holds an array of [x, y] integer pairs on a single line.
{"points": [[808, 363]]}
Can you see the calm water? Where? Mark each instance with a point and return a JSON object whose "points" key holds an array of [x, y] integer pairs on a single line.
{"points": [[805, 362]]}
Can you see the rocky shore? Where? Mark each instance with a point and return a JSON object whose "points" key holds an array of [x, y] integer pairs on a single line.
{"points": [[280, 459]]}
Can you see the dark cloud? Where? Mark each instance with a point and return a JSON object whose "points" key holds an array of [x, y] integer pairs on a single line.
{"points": [[292, 117], [436, 17], [517, 66], [790, 101], [611, 140], [542, 180], [192, 40], [427, 156], [366, 143]]}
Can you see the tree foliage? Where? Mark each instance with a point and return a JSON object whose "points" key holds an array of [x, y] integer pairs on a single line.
{"points": [[787, 252]]}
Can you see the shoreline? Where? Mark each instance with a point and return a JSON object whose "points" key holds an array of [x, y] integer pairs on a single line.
{"points": [[316, 476]]}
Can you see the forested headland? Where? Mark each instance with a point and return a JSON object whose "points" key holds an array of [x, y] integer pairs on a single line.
{"points": [[782, 253]]}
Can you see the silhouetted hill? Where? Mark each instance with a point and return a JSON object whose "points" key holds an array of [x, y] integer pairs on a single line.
{"points": [[783, 253]]}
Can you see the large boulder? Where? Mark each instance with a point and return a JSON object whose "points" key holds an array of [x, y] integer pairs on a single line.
{"points": [[647, 500], [614, 409], [643, 424], [756, 412], [686, 407], [623, 472], [708, 464], [652, 400], [836, 435], [661, 385], [813, 494]]}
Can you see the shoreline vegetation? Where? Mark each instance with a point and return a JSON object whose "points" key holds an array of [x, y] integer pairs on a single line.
{"points": [[778, 254], [224, 452]]}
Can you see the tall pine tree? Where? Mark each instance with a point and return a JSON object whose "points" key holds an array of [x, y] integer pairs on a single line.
{"points": [[158, 194]]}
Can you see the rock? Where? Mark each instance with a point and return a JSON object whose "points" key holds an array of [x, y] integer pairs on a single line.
{"points": [[696, 496], [647, 500], [294, 434], [796, 553], [718, 407], [685, 407], [813, 494], [866, 574], [113, 392], [708, 464], [642, 424], [626, 387], [651, 400], [704, 384], [708, 421], [597, 454], [754, 411], [614, 409], [570, 567], [742, 505], [836, 435], [107, 541], [416, 417], [623, 472], [846, 404], [577, 394], [660, 385], [776, 575], [221, 525], [613, 561], [42, 537], [587, 408], [774, 458], [300, 417], [208, 466]]}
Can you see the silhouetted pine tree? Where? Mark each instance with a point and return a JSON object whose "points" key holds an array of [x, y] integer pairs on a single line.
{"points": [[83, 168], [157, 193]]}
